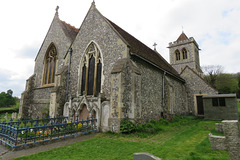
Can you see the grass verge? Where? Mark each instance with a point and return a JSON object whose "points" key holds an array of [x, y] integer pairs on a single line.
{"points": [[186, 139]]}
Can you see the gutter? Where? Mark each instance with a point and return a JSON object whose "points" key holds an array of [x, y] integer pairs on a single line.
{"points": [[68, 74], [166, 72]]}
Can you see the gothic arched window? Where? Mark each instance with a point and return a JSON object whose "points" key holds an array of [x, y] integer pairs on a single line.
{"points": [[50, 65], [91, 71], [177, 53], [184, 52]]}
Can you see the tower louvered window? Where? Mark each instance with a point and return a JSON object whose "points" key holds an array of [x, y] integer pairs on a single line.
{"points": [[50, 65], [91, 71], [184, 52], [177, 53]]}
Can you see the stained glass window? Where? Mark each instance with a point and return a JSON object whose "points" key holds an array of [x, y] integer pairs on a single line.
{"points": [[50, 65]]}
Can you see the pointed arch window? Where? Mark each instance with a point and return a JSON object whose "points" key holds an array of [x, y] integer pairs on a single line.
{"points": [[177, 54], [184, 52], [91, 71], [50, 65]]}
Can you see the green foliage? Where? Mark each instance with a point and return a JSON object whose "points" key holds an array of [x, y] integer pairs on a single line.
{"points": [[127, 127], [145, 129], [6, 99], [226, 83], [9, 109]]}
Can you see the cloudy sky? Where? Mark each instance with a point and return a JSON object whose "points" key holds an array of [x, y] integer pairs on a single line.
{"points": [[214, 24]]}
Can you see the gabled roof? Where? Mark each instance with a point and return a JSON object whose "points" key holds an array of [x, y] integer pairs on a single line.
{"points": [[70, 31], [182, 37], [145, 52], [198, 76]]}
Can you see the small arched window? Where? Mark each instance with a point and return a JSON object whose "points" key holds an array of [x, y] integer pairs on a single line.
{"points": [[184, 52], [91, 71], [50, 65], [177, 54]]}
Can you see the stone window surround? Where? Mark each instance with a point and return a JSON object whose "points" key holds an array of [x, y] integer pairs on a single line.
{"points": [[85, 60], [181, 55], [44, 84]]}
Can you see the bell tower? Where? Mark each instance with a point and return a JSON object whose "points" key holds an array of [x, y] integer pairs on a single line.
{"points": [[184, 52]]}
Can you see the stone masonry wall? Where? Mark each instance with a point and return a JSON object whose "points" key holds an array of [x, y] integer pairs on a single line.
{"points": [[228, 112], [151, 91], [195, 85], [192, 55], [41, 94], [95, 29], [175, 97]]}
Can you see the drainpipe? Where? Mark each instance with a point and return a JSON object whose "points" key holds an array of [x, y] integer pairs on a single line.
{"points": [[68, 74], [163, 88]]}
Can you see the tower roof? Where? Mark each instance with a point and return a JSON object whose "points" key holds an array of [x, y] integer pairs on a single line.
{"points": [[182, 37]]}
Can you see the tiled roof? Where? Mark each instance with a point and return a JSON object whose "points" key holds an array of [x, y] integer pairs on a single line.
{"points": [[145, 52], [69, 30], [182, 37]]}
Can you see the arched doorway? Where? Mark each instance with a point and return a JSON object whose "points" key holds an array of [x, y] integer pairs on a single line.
{"points": [[74, 116], [84, 113], [94, 114]]}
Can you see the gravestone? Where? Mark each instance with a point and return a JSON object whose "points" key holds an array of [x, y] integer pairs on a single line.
{"points": [[14, 115], [6, 116], [229, 142], [144, 156]]}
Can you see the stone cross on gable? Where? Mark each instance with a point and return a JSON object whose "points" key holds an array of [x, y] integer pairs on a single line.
{"points": [[229, 142], [155, 44]]}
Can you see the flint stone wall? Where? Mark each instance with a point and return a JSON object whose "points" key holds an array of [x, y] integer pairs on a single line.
{"points": [[96, 29], [151, 93], [41, 95], [192, 53], [195, 85]]}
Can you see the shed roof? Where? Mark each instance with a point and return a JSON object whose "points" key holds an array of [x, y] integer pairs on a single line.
{"points": [[220, 96]]}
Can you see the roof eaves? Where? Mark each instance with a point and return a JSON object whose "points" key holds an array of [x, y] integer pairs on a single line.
{"points": [[163, 70]]}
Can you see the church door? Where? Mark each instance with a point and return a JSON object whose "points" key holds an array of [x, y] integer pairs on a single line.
{"points": [[200, 105], [84, 113]]}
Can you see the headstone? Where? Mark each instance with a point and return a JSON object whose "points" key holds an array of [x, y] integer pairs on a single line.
{"points": [[6, 116], [229, 142], [14, 115], [144, 156]]}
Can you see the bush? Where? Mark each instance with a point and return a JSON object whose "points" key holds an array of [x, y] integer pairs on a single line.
{"points": [[127, 127]]}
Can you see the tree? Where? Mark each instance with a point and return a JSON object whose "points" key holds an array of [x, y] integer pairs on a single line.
{"points": [[226, 83], [6, 99], [211, 73]]}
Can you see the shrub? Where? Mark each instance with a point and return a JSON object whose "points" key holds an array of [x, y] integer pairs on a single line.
{"points": [[127, 127]]}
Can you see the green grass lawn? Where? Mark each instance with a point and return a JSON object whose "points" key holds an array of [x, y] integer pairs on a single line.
{"points": [[186, 139]]}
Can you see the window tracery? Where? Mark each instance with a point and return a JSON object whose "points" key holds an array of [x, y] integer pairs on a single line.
{"points": [[91, 71], [50, 65]]}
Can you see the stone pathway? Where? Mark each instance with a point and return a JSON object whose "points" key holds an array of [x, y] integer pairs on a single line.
{"points": [[8, 154]]}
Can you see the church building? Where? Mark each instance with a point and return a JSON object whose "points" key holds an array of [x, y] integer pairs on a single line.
{"points": [[101, 71]]}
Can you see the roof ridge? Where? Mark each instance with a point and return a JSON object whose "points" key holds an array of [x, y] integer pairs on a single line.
{"points": [[142, 50], [69, 30], [69, 25]]}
